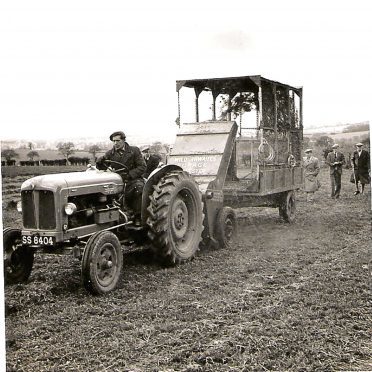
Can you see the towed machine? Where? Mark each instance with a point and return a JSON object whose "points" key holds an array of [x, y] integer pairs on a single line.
{"points": [[239, 145]]}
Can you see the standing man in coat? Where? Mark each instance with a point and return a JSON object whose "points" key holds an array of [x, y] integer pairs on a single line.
{"points": [[335, 160], [311, 171], [360, 162], [132, 175]]}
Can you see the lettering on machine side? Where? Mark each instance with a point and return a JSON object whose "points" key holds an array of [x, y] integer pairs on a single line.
{"points": [[194, 159]]}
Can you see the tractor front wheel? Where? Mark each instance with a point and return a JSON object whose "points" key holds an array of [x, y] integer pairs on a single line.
{"points": [[18, 260], [175, 217], [102, 263]]}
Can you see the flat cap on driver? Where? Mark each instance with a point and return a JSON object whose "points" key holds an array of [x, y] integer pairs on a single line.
{"points": [[119, 133]]}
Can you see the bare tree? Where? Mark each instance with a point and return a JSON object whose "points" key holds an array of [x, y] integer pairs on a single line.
{"points": [[93, 150], [32, 154], [66, 149]]}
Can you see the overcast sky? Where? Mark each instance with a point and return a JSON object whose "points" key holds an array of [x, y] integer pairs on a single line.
{"points": [[87, 68]]}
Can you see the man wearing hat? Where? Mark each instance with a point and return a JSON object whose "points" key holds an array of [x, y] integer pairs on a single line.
{"points": [[360, 162], [335, 160], [132, 176], [152, 161], [311, 171]]}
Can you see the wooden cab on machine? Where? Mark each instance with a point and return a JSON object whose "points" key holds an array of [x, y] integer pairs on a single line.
{"points": [[241, 139]]}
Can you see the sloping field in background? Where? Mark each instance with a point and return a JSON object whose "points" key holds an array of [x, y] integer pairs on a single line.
{"points": [[344, 136], [284, 298], [355, 136]]}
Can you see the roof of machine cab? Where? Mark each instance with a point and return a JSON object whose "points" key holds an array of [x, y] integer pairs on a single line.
{"points": [[262, 108], [278, 105], [227, 84]]}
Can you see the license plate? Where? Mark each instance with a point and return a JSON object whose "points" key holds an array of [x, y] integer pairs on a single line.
{"points": [[38, 240]]}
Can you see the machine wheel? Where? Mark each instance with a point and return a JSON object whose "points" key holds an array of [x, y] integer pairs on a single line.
{"points": [[18, 260], [175, 217], [225, 228], [287, 207], [102, 263]]}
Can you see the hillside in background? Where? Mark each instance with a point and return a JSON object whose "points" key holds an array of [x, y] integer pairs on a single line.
{"points": [[346, 136], [350, 136], [361, 127], [338, 128]]}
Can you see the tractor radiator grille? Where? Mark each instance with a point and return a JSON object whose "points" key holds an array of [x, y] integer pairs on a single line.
{"points": [[38, 210], [28, 210], [47, 219]]}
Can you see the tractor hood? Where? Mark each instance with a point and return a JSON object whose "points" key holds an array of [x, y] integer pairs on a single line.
{"points": [[89, 178]]}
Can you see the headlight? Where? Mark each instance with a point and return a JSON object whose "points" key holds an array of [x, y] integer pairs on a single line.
{"points": [[19, 206], [70, 208], [89, 212]]}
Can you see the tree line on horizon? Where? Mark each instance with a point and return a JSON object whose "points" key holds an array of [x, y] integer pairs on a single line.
{"points": [[66, 149]]}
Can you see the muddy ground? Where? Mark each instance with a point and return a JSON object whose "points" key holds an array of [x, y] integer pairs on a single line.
{"points": [[285, 297]]}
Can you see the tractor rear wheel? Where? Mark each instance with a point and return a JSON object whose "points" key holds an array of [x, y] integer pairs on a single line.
{"points": [[175, 217], [287, 207], [225, 228], [102, 263], [18, 260]]}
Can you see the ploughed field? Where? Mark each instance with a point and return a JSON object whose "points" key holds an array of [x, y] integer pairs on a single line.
{"points": [[285, 297]]}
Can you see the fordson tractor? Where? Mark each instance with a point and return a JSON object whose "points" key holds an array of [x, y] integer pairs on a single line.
{"points": [[246, 154]]}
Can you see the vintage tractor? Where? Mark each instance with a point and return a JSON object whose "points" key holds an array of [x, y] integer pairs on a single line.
{"points": [[84, 213], [212, 169]]}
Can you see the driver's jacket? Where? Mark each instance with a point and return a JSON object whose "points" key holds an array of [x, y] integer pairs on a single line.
{"points": [[131, 157]]}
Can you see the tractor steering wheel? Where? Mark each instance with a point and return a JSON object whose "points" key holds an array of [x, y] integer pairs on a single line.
{"points": [[124, 167]]}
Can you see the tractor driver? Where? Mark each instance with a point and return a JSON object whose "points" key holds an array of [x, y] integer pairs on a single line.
{"points": [[131, 158]]}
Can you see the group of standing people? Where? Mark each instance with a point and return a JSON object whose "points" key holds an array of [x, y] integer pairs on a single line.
{"points": [[360, 163]]}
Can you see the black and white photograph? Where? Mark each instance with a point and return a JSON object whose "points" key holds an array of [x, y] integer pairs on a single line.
{"points": [[185, 186]]}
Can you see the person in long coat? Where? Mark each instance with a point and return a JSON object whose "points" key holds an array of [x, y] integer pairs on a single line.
{"points": [[311, 171], [360, 163]]}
